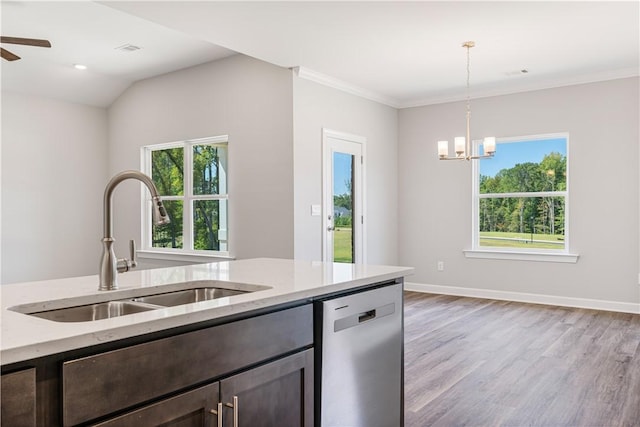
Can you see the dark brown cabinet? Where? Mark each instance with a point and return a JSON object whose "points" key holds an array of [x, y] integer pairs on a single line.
{"points": [[18, 391], [279, 393], [265, 362]]}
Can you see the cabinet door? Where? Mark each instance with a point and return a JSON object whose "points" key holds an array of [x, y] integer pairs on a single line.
{"points": [[279, 393], [191, 409], [18, 391]]}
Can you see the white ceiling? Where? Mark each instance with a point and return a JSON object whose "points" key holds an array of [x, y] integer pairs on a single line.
{"points": [[87, 33], [399, 53]]}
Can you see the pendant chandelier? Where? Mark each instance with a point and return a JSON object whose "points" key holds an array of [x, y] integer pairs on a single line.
{"points": [[463, 145]]}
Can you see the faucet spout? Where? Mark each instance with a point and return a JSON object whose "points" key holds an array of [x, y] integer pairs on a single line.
{"points": [[110, 265]]}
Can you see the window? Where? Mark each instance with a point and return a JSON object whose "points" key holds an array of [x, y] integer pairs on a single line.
{"points": [[191, 177], [521, 196]]}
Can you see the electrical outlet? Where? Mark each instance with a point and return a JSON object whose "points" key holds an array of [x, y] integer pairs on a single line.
{"points": [[440, 265]]}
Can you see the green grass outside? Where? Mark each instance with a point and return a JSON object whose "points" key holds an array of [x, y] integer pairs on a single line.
{"points": [[521, 240], [342, 247]]}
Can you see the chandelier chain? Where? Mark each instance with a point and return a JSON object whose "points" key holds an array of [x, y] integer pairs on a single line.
{"points": [[468, 77]]}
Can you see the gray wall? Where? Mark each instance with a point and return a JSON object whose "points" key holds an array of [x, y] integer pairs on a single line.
{"points": [[57, 157], [53, 175], [316, 107], [247, 99], [435, 196]]}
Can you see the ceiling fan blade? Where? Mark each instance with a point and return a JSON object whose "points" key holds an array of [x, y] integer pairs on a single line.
{"points": [[8, 55], [27, 42]]}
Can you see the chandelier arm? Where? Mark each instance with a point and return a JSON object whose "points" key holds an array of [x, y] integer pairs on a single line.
{"points": [[484, 156]]}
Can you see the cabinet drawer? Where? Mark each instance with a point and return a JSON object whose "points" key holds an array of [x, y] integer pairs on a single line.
{"points": [[18, 393], [97, 385]]}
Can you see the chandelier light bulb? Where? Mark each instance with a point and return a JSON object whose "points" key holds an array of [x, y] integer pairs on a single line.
{"points": [[443, 148], [489, 145], [459, 143]]}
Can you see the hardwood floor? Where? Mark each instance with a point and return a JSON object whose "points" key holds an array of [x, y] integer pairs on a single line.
{"points": [[476, 362]]}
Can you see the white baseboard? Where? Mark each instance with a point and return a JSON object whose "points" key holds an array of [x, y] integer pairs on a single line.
{"points": [[623, 307]]}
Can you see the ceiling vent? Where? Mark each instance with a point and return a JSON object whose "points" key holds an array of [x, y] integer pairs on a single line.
{"points": [[517, 72], [128, 48]]}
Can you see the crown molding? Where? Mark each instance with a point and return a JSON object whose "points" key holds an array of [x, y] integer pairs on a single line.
{"points": [[323, 79], [526, 87], [326, 80]]}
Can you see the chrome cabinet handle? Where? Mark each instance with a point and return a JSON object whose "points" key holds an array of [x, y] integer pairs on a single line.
{"points": [[235, 410], [218, 413]]}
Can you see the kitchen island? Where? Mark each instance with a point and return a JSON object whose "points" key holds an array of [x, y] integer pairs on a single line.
{"points": [[259, 342]]}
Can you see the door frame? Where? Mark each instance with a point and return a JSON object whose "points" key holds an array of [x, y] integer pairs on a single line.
{"points": [[359, 229]]}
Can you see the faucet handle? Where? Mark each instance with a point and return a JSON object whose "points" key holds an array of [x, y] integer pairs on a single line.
{"points": [[123, 265], [132, 251]]}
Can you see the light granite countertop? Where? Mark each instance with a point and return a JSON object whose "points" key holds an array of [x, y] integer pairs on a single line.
{"points": [[27, 337]]}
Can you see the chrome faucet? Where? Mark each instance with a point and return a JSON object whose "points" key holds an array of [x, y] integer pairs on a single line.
{"points": [[110, 266]]}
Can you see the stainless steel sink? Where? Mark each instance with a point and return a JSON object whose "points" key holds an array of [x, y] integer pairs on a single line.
{"points": [[85, 313], [123, 303], [189, 296]]}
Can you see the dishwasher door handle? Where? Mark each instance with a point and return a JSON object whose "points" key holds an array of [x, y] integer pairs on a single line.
{"points": [[367, 315], [362, 317]]}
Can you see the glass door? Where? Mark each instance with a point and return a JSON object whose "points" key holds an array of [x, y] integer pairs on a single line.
{"points": [[343, 199]]}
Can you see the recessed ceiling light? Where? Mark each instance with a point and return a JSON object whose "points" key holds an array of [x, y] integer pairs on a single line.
{"points": [[79, 67]]}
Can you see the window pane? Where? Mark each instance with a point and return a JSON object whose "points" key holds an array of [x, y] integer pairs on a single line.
{"points": [[169, 235], [210, 225], [343, 170], [524, 222], [525, 166], [167, 171], [209, 169]]}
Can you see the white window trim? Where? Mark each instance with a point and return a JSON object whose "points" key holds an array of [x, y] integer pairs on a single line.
{"points": [[503, 253], [177, 254], [539, 255], [184, 256]]}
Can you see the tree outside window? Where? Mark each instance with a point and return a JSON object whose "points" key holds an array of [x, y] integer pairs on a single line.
{"points": [[191, 177], [521, 195]]}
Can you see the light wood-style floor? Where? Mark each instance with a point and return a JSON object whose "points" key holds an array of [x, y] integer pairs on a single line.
{"points": [[476, 362]]}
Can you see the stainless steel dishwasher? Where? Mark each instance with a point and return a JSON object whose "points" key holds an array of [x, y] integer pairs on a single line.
{"points": [[361, 369]]}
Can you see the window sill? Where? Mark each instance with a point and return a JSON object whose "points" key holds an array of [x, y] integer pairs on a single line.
{"points": [[523, 256], [185, 256]]}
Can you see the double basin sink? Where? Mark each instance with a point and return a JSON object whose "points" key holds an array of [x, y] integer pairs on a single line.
{"points": [[195, 292]]}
